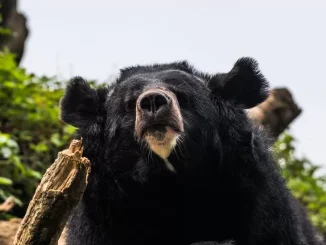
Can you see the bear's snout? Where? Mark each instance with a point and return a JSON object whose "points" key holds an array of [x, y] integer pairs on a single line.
{"points": [[158, 119], [154, 102]]}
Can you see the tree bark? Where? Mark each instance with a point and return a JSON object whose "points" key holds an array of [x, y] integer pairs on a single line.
{"points": [[276, 113], [60, 190], [17, 23]]}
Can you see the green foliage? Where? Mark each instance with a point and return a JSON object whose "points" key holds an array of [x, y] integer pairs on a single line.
{"points": [[301, 178], [4, 32], [31, 133]]}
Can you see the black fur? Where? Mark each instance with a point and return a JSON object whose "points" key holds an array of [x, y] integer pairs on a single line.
{"points": [[226, 189], [82, 105], [244, 84]]}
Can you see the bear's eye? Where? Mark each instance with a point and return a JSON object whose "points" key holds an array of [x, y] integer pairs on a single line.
{"points": [[182, 98], [130, 105]]}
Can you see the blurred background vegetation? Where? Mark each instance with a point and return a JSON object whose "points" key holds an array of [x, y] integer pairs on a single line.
{"points": [[31, 135], [30, 131], [301, 179]]}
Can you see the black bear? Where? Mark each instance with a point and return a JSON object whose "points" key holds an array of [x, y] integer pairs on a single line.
{"points": [[175, 160]]}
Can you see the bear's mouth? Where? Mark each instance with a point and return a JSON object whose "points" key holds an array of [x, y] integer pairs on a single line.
{"points": [[161, 138], [159, 130]]}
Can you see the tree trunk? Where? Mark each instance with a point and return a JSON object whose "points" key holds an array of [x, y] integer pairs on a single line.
{"points": [[60, 190], [16, 23], [276, 113]]}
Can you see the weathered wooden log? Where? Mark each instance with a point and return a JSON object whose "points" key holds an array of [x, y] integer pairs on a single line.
{"points": [[61, 188], [276, 113]]}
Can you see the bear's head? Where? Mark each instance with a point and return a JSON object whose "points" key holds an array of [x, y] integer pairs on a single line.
{"points": [[163, 117]]}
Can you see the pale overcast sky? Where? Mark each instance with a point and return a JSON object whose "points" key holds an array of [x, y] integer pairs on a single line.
{"points": [[96, 38]]}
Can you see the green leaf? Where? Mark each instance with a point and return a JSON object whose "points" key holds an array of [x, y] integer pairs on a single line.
{"points": [[5, 152], [5, 181]]}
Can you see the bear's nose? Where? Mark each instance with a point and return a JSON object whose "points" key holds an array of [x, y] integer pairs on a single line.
{"points": [[153, 102]]}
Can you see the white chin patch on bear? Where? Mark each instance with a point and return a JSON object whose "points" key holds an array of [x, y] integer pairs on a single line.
{"points": [[163, 144]]}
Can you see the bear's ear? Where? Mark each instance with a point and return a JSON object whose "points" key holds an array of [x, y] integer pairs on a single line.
{"points": [[81, 105], [244, 85]]}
